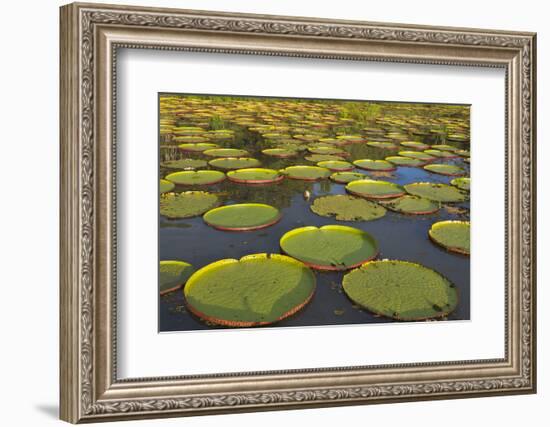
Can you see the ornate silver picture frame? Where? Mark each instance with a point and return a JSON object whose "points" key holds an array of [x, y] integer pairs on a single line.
{"points": [[90, 36]]}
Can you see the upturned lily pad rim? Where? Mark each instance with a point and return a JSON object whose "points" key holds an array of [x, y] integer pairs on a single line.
{"points": [[169, 186], [241, 205], [278, 178], [375, 196], [391, 167], [180, 285], [433, 168], [244, 324], [345, 228], [448, 248]]}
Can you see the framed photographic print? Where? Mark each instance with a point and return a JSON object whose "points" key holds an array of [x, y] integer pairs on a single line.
{"points": [[266, 212]]}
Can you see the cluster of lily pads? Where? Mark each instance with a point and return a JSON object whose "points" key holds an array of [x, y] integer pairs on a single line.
{"points": [[201, 148]]}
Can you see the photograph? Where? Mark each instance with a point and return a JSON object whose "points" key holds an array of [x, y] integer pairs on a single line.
{"points": [[295, 212]]}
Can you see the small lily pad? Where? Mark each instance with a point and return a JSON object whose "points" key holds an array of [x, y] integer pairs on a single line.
{"points": [[187, 204], [443, 169], [412, 205], [205, 177], [322, 158], [345, 177], [306, 173], [173, 275], [242, 217], [280, 152], [462, 183], [166, 186], [197, 147], [331, 247], [347, 208], [452, 235], [436, 192], [383, 145], [226, 152], [373, 189], [255, 176], [374, 165], [417, 155], [415, 144], [256, 290], [336, 165], [405, 161], [184, 164], [441, 154], [234, 162], [401, 290]]}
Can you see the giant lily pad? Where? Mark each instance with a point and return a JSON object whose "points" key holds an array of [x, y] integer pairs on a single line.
{"points": [[405, 161], [331, 247], [462, 183], [444, 169], [187, 204], [234, 162], [173, 275], [452, 235], [206, 177], [255, 176], [166, 186], [226, 152], [412, 205], [345, 177], [415, 144], [336, 165], [442, 154], [375, 189], [322, 158], [242, 217], [444, 147], [417, 155], [436, 192], [280, 152], [184, 164], [401, 290], [374, 165], [326, 150], [256, 290], [198, 147], [383, 145], [347, 208], [306, 173]]}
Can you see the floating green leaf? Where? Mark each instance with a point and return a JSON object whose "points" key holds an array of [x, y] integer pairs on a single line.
{"points": [[331, 247], [242, 217], [373, 189], [452, 235], [462, 183], [280, 152], [322, 158], [234, 162], [166, 186], [198, 147], [205, 177], [374, 165], [184, 164], [405, 161], [256, 290], [439, 153], [417, 155], [173, 275], [444, 147], [436, 192], [306, 173], [383, 145], [412, 205], [187, 204], [444, 169], [345, 177], [401, 290], [336, 165], [226, 152], [415, 144], [347, 208], [255, 176], [326, 150]]}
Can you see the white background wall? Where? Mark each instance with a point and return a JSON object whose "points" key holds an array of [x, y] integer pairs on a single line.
{"points": [[29, 171]]}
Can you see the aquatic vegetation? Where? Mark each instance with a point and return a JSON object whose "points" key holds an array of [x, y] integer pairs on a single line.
{"points": [[373, 189], [306, 173], [184, 164], [336, 165], [255, 176], [444, 147], [462, 183], [256, 290], [345, 177], [280, 152], [452, 235], [401, 290], [242, 217], [436, 192], [383, 145], [326, 150], [442, 154], [166, 186], [202, 177], [228, 163], [197, 147], [415, 144], [322, 158], [173, 275], [413, 205], [350, 138], [187, 204], [226, 152], [331, 247], [347, 208], [405, 161], [417, 155], [374, 165], [444, 169]]}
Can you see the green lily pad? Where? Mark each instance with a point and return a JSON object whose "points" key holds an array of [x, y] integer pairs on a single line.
{"points": [[375, 189], [462, 183], [166, 186], [322, 158], [412, 205], [326, 150], [345, 177], [401, 290], [234, 162], [442, 154], [350, 138], [280, 152], [452, 235], [458, 137], [436, 192], [197, 147], [206, 177], [336, 165], [255, 176], [415, 144], [374, 165], [347, 208], [444, 169], [383, 145], [242, 217], [405, 161], [306, 173], [463, 153], [444, 147], [226, 152], [184, 164], [187, 204], [173, 275], [189, 139], [256, 290], [417, 155], [331, 247]]}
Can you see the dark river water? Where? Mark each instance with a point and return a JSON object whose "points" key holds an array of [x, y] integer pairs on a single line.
{"points": [[399, 236]]}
